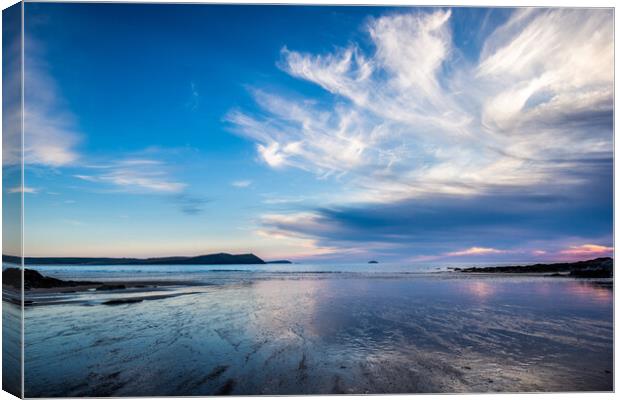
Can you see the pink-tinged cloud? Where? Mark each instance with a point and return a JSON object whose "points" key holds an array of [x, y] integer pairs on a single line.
{"points": [[475, 251], [587, 250]]}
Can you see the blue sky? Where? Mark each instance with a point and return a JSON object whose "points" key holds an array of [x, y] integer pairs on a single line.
{"points": [[318, 133]]}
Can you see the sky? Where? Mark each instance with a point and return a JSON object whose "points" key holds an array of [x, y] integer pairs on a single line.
{"points": [[318, 133]]}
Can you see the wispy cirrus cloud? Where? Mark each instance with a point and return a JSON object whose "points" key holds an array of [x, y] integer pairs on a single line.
{"points": [[137, 174], [23, 189], [411, 118], [134, 175], [242, 183]]}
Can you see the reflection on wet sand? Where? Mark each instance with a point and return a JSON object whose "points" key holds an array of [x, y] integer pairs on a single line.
{"points": [[591, 291], [479, 289], [329, 335]]}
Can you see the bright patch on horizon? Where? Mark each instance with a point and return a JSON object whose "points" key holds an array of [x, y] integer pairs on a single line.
{"points": [[474, 251]]}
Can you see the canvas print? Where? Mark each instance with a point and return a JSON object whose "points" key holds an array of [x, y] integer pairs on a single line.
{"points": [[288, 200]]}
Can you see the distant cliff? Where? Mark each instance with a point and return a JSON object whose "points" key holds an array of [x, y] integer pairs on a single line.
{"points": [[209, 259]]}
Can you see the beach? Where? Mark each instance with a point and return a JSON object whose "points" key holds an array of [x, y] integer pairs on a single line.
{"points": [[272, 330]]}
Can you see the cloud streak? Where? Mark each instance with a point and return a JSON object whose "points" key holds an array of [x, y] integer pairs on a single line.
{"points": [[587, 250], [135, 175], [241, 184], [191, 205], [23, 189]]}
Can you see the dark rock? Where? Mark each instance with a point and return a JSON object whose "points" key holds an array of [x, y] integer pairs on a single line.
{"points": [[12, 277], [597, 268], [373, 262], [116, 302], [34, 280], [592, 273], [111, 287]]}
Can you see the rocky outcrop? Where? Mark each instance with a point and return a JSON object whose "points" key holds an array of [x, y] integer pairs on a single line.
{"points": [[34, 280], [597, 268]]}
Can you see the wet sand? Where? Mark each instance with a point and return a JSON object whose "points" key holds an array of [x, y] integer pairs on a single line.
{"points": [[324, 333]]}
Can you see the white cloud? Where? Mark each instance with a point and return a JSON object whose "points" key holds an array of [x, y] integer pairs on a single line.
{"points": [[271, 154], [475, 251], [135, 175], [276, 199], [550, 69], [23, 189], [413, 118], [241, 184], [343, 73], [412, 48]]}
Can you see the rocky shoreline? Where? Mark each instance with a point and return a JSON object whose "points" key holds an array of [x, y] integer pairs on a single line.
{"points": [[596, 268], [34, 280], [41, 290]]}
